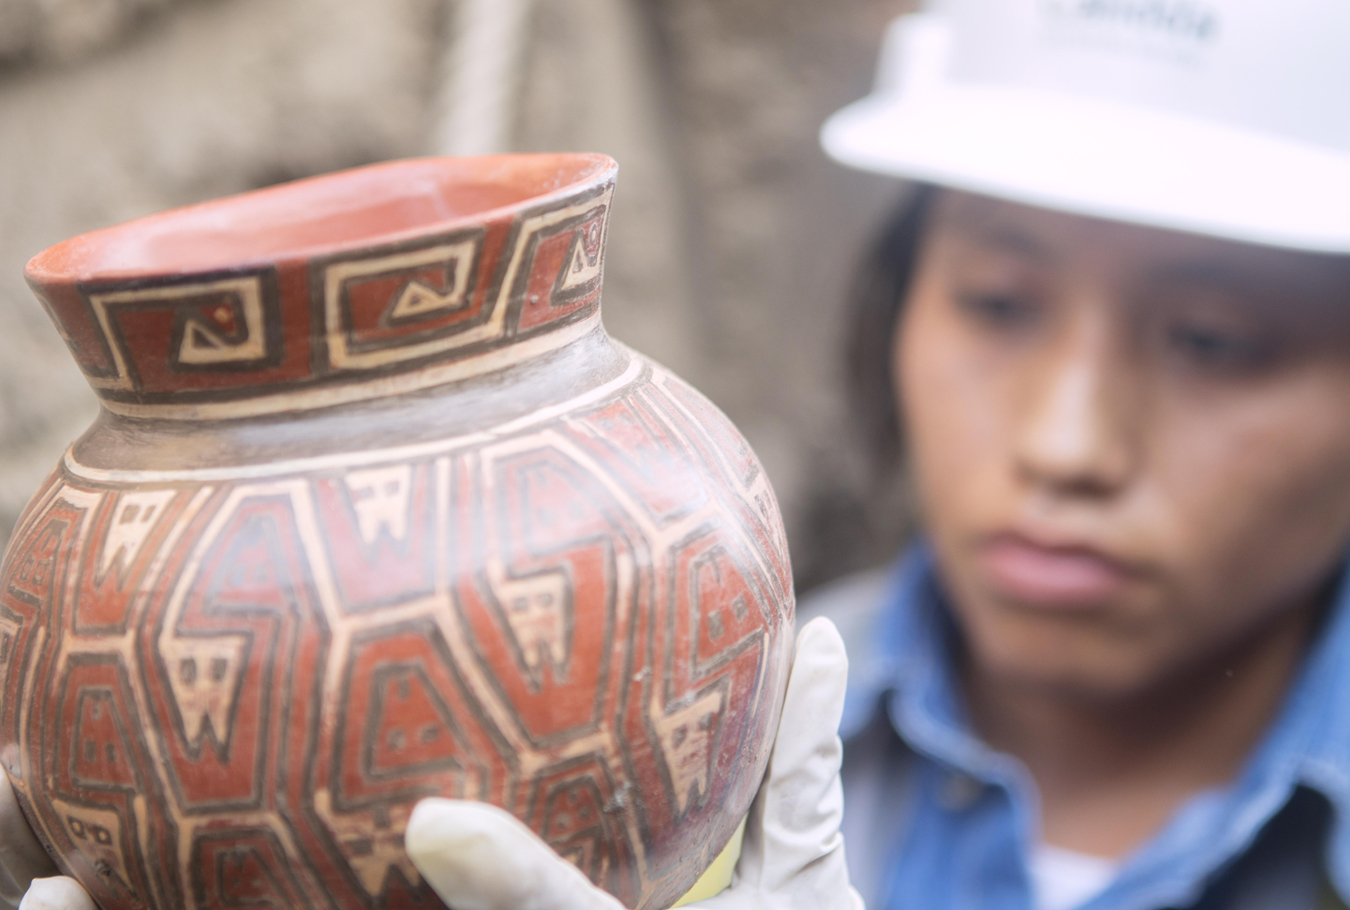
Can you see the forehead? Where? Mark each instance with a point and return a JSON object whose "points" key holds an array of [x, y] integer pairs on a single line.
{"points": [[1069, 242]]}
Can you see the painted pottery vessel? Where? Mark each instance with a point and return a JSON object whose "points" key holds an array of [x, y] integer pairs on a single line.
{"points": [[374, 510]]}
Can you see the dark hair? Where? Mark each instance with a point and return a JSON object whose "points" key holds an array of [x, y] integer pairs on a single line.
{"points": [[876, 297]]}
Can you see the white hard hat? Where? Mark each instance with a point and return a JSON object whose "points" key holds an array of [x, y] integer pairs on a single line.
{"points": [[1222, 117]]}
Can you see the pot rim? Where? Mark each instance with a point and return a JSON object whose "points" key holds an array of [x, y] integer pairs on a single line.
{"points": [[223, 234]]}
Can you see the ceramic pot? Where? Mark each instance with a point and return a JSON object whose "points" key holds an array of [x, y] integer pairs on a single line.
{"points": [[375, 510]]}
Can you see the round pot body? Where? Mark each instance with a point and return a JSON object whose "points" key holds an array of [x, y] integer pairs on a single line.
{"points": [[375, 511]]}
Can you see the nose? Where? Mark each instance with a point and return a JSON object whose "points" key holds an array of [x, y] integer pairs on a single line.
{"points": [[1077, 433]]}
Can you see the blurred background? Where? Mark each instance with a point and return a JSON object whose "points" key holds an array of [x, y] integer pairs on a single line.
{"points": [[732, 241]]}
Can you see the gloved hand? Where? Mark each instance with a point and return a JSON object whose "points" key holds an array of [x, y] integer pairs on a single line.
{"points": [[479, 857], [22, 860]]}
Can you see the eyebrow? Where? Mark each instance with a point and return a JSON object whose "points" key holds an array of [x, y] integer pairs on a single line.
{"points": [[1208, 273], [986, 228], [1253, 285], [1259, 291], [1011, 240]]}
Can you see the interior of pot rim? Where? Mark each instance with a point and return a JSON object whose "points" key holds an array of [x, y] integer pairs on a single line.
{"points": [[367, 205]]}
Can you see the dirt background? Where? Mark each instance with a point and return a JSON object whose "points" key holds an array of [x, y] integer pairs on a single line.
{"points": [[733, 236]]}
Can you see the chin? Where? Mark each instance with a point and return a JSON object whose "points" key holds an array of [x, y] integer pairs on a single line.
{"points": [[1070, 683], [1072, 662]]}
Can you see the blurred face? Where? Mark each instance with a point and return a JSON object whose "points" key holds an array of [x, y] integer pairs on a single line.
{"points": [[1132, 447]]}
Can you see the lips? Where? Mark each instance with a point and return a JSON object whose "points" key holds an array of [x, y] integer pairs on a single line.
{"points": [[1054, 576]]}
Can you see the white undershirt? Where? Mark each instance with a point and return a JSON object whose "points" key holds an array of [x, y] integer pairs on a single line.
{"points": [[1063, 879]]}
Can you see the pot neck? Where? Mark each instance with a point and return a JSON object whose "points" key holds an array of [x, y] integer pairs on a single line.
{"points": [[445, 418], [315, 332]]}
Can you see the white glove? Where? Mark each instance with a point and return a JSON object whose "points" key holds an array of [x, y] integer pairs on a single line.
{"points": [[22, 860], [479, 857], [57, 893]]}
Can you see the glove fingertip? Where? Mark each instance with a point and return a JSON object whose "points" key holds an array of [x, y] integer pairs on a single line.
{"points": [[819, 666], [57, 893], [452, 827], [820, 639]]}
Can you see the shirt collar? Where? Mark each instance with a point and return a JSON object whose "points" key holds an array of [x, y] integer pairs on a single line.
{"points": [[905, 667]]}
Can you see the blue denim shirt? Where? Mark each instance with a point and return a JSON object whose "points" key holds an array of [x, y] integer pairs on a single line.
{"points": [[948, 822]]}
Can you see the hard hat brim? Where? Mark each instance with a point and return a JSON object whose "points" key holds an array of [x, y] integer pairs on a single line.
{"points": [[1103, 159]]}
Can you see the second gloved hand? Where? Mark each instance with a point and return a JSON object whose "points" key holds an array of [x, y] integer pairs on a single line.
{"points": [[479, 857]]}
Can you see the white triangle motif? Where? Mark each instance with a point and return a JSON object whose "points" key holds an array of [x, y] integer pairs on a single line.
{"points": [[371, 841], [96, 833], [582, 266], [417, 300], [204, 676], [687, 736], [381, 497], [134, 517], [536, 610], [202, 345]]}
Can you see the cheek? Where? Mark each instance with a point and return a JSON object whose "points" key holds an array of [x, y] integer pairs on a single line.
{"points": [[955, 416], [1256, 492]]}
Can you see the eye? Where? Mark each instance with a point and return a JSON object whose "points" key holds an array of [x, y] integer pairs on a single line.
{"points": [[1216, 347], [999, 310]]}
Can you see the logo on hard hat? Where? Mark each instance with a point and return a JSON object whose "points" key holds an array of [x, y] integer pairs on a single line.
{"points": [[1173, 19]]}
